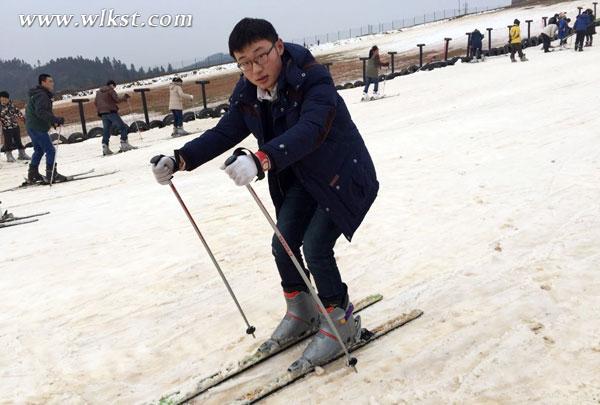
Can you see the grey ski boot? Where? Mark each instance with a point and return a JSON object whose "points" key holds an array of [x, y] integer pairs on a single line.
{"points": [[301, 319], [182, 132], [9, 157], [324, 346], [126, 146], [23, 155]]}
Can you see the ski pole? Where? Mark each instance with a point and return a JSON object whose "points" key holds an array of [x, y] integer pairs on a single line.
{"points": [[250, 329], [350, 361], [55, 155], [137, 127]]}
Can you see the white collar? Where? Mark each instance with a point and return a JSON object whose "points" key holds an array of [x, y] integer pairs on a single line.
{"points": [[267, 95]]}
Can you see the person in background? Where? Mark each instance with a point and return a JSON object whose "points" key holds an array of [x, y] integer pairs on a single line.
{"points": [[39, 117], [372, 73], [548, 34], [9, 124], [581, 29], [563, 29], [176, 97], [106, 103], [476, 45], [515, 42], [591, 30]]}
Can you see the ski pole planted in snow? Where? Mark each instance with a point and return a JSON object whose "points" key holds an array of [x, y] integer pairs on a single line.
{"points": [[350, 361], [250, 329], [55, 156]]}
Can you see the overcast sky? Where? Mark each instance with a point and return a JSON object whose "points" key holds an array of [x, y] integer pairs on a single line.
{"points": [[212, 22]]}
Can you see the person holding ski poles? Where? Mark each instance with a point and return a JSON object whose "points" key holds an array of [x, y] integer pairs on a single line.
{"points": [[106, 103], [38, 120], [321, 177], [372, 73]]}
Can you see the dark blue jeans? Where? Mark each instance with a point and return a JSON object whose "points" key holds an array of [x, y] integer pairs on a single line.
{"points": [[370, 80], [303, 223], [177, 118], [110, 119], [42, 144]]}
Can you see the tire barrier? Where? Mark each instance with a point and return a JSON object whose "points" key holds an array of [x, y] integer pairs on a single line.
{"points": [[348, 85], [189, 116], [140, 126], [413, 68], [61, 139], [95, 132], [168, 119], [156, 124], [204, 113], [76, 137], [222, 109], [359, 83]]}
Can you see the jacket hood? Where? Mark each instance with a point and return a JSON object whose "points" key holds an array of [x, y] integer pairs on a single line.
{"points": [[39, 90]]}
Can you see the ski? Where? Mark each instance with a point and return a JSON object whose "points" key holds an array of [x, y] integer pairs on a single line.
{"points": [[15, 223], [74, 177], [11, 219], [287, 378], [82, 173], [246, 363]]}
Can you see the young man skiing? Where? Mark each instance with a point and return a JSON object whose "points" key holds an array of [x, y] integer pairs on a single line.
{"points": [[38, 120], [321, 177], [372, 73], [176, 97], [515, 42], [9, 124], [106, 103]]}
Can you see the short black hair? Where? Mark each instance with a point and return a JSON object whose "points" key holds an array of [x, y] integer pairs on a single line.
{"points": [[372, 51], [4, 94], [111, 83], [249, 30], [43, 77], [177, 80]]}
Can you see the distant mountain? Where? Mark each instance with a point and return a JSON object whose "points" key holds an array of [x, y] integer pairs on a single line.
{"points": [[212, 60]]}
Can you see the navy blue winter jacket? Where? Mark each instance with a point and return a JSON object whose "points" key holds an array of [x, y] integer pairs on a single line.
{"points": [[313, 135]]}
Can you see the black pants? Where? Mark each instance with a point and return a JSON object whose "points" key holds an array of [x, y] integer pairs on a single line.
{"points": [[304, 224], [476, 52], [546, 40], [12, 139], [589, 38], [579, 39], [514, 48]]}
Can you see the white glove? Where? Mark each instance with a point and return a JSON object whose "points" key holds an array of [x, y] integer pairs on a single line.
{"points": [[164, 168], [242, 171]]}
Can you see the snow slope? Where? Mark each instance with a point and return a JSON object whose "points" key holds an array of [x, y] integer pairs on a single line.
{"points": [[488, 219]]}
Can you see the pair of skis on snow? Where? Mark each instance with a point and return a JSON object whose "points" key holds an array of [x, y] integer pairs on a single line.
{"points": [[287, 378], [14, 221], [74, 177]]}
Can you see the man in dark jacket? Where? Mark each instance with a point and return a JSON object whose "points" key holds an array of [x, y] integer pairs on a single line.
{"points": [[321, 177], [476, 44], [10, 116], [581, 27], [38, 120], [106, 102], [591, 30]]}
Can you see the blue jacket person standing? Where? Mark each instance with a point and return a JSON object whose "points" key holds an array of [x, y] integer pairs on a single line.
{"points": [[321, 177]]}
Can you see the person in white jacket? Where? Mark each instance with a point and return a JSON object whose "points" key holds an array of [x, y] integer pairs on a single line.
{"points": [[548, 35], [176, 97]]}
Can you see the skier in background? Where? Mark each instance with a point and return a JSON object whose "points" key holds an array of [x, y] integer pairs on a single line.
{"points": [[581, 29], [515, 42], [321, 177], [38, 120], [591, 30], [476, 45], [563, 30], [9, 126], [372, 73], [176, 97], [106, 103], [548, 34]]}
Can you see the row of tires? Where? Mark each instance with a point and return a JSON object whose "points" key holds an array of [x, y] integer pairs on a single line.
{"points": [[140, 126]]}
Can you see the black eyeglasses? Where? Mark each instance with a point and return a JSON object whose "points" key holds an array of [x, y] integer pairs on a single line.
{"points": [[260, 60]]}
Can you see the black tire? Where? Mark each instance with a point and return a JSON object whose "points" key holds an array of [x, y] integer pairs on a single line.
{"points": [[138, 125], [115, 131], [390, 76], [359, 83], [29, 145], [204, 113], [404, 72], [76, 137], [60, 138], [535, 41], [525, 43], [349, 86], [189, 116], [215, 112], [413, 68], [156, 124], [95, 132], [339, 87], [506, 48], [223, 108], [168, 120]]}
